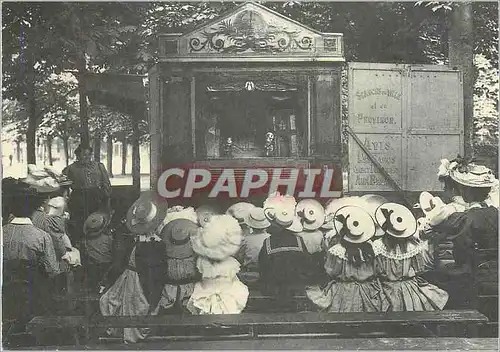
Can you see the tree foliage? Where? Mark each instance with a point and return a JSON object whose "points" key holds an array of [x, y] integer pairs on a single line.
{"points": [[49, 38]]}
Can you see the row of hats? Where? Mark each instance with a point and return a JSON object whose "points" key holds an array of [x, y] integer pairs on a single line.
{"points": [[355, 218], [184, 230], [358, 219]]}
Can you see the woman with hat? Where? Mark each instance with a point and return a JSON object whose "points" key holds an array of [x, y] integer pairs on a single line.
{"points": [[51, 216], [29, 259], [478, 223], [251, 245], [138, 289], [354, 286], [91, 189], [284, 262], [182, 273], [401, 258], [219, 291]]}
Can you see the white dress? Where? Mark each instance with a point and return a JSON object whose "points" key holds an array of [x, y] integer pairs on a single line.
{"points": [[220, 291]]}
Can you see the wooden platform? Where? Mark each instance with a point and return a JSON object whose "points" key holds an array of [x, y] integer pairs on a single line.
{"points": [[418, 344]]}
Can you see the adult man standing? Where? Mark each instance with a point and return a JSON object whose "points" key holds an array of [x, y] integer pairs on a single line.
{"points": [[91, 189]]}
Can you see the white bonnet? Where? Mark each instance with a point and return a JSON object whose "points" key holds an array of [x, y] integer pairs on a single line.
{"points": [[219, 239]]}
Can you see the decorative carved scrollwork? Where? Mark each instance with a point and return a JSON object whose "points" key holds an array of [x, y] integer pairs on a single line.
{"points": [[249, 33]]}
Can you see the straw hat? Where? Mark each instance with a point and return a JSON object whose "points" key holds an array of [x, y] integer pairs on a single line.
{"points": [[425, 202], [473, 175], [219, 239], [280, 210], [312, 214], [240, 211], [204, 213], [335, 204], [176, 235], [354, 224], [371, 204], [146, 214], [256, 219], [96, 223], [396, 220], [284, 218]]}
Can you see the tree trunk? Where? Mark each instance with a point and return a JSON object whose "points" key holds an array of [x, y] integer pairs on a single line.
{"points": [[49, 149], [66, 149], [82, 90], [32, 120], [136, 157], [109, 152], [97, 148], [461, 56], [124, 156], [18, 150]]}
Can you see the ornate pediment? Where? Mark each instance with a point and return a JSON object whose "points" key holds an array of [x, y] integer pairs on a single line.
{"points": [[255, 33]]}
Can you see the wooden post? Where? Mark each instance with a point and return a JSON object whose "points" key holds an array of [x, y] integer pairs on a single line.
{"points": [[461, 56], [136, 157]]}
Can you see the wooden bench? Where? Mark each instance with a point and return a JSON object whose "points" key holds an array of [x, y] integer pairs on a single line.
{"points": [[356, 344], [257, 325], [256, 302]]}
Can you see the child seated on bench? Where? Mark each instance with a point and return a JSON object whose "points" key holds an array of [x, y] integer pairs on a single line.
{"points": [[401, 257], [248, 254], [354, 286], [182, 273], [219, 291], [285, 265], [312, 217], [138, 289]]}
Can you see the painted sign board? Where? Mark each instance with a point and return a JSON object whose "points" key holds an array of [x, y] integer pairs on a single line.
{"points": [[408, 118]]}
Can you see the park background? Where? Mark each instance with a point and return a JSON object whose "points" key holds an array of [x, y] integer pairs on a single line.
{"points": [[47, 47]]}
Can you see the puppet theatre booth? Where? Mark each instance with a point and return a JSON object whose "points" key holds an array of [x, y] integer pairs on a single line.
{"points": [[252, 89]]}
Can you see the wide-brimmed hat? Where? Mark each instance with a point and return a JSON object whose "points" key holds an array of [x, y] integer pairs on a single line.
{"points": [[335, 204], [146, 214], [219, 239], [96, 223], [425, 202], [472, 175], [177, 237], [45, 179], [371, 202], [256, 219], [311, 213], [204, 213], [280, 210], [284, 218], [396, 220], [240, 211], [354, 224]]}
